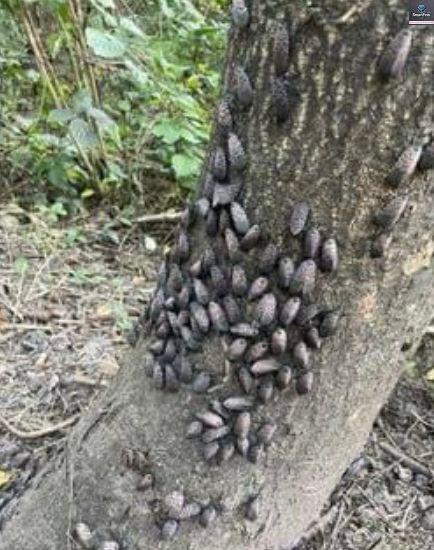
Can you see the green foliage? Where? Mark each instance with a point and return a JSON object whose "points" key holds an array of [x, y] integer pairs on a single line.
{"points": [[127, 95]]}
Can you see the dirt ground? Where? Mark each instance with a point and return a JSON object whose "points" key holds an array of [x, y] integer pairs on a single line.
{"points": [[68, 299]]}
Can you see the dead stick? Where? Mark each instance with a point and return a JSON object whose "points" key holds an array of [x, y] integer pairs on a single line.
{"points": [[411, 463], [36, 434], [163, 217]]}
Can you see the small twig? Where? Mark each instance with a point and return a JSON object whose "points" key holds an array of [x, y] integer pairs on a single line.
{"points": [[36, 434], [411, 463], [163, 217]]}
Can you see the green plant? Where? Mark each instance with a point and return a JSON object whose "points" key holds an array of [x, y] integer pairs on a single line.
{"points": [[112, 96]]}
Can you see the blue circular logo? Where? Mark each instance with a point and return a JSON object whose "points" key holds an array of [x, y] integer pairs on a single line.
{"points": [[421, 8]]}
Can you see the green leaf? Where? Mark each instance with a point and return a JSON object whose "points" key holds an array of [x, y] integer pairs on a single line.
{"points": [[168, 130], [103, 120], [104, 44], [83, 134], [81, 102], [185, 166], [129, 25], [61, 116]]}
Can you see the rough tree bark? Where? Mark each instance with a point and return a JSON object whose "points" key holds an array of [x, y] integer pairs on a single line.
{"points": [[341, 138]]}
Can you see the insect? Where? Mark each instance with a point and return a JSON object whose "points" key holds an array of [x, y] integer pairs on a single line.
{"points": [[240, 13], [298, 218], [281, 46], [405, 166], [237, 155], [391, 64], [390, 215], [243, 88], [219, 165]]}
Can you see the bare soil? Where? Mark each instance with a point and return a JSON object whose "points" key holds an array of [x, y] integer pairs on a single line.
{"points": [[69, 297]]}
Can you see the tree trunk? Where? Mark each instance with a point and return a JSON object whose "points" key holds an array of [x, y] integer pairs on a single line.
{"points": [[345, 129]]}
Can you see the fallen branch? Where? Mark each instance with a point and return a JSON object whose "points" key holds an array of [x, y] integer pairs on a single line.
{"points": [[36, 434], [411, 463], [163, 217]]}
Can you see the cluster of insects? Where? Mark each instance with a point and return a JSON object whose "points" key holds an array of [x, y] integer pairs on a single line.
{"points": [[418, 156], [267, 317], [262, 304]]}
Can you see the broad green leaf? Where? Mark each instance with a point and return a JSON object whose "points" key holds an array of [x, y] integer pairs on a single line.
{"points": [[61, 115], [185, 166], [104, 44], [83, 134], [81, 102], [169, 130], [140, 76], [102, 119], [129, 25]]}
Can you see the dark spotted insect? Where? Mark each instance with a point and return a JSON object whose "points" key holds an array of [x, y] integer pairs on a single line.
{"points": [[232, 310], [257, 351], [304, 383], [201, 292], [232, 244], [238, 403], [329, 324], [194, 429], [239, 281], [392, 212], [426, 161], [215, 434], [201, 383], [280, 98], [251, 238], [285, 272], [225, 193], [210, 450], [258, 287], [329, 255], [312, 243], [313, 339], [236, 349], [171, 380], [243, 88], [289, 311], [392, 62], [200, 315], [304, 278], [298, 218], [266, 390], [218, 281], [211, 223], [245, 330], [210, 419], [239, 218], [284, 377], [266, 310], [279, 341], [218, 317], [242, 424], [266, 433], [268, 258], [236, 153], [224, 117], [246, 380], [264, 366], [405, 166], [158, 376], [256, 454], [226, 452], [219, 165], [281, 44], [240, 13]]}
